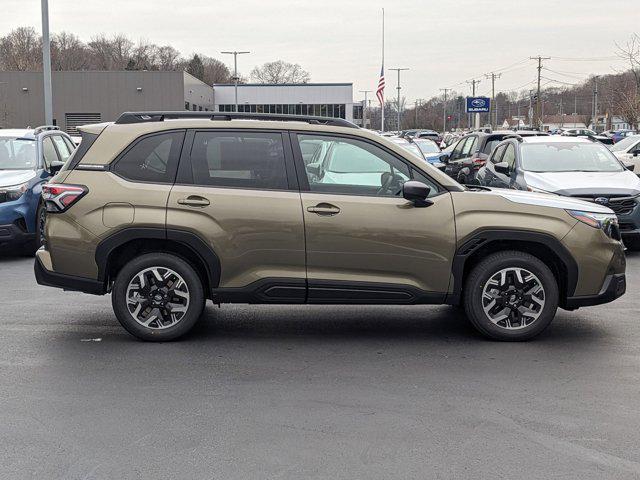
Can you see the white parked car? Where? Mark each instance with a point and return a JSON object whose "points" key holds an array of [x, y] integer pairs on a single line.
{"points": [[628, 151]]}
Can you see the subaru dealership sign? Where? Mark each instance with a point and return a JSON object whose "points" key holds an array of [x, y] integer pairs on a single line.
{"points": [[478, 104]]}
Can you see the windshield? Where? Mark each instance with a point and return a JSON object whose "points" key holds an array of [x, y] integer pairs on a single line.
{"points": [[427, 146], [411, 147], [17, 154], [568, 157], [625, 143]]}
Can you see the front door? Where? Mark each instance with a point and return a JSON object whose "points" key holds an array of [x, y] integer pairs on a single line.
{"points": [[237, 191], [364, 241]]}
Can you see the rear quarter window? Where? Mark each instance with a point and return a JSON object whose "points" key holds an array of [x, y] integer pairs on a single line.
{"points": [[151, 159]]}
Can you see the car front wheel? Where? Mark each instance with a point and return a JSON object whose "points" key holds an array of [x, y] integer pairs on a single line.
{"points": [[158, 297], [511, 296]]}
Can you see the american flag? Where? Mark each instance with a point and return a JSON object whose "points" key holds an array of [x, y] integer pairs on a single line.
{"points": [[380, 90]]}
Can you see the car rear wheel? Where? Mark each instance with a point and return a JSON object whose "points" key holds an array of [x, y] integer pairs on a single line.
{"points": [[511, 296], [158, 297]]}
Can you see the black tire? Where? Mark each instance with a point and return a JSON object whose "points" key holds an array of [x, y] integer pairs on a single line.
{"points": [[41, 215], [163, 261], [490, 266]]}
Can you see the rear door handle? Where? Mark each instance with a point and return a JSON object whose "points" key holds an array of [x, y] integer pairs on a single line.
{"points": [[324, 209], [194, 201]]}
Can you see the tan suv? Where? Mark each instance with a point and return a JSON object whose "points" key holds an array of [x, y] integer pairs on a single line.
{"points": [[167, 209]]}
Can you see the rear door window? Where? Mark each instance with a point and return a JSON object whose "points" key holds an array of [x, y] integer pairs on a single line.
{"points": [[240, 159], [469, 146]]}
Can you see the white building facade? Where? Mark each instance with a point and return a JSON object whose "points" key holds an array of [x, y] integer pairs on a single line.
{"points": [[318, 99]]}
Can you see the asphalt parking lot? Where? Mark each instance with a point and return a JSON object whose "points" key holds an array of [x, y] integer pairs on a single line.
{"points": [[313, 392]]}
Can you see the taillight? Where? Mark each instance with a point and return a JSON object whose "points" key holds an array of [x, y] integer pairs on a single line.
{"points": [[58, 198]]}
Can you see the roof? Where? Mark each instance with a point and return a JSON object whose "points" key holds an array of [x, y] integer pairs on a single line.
{"points": [[556, 139]]}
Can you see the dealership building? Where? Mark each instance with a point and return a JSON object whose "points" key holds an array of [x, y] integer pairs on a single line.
{"points": [[319, 99], [97, 96], [81, 97]]}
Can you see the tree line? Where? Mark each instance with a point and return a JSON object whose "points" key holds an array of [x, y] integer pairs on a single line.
{"points": [[21, 50]]}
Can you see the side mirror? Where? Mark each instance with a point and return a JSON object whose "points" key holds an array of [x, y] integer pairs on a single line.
{"points": [[444, 158], [636, 153], [313, 168], [629, 166], [502, 167], [416, 192], [55, 167]]}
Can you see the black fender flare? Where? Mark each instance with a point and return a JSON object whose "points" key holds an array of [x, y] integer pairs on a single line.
{"points": [[482, 237], [199, 247]]}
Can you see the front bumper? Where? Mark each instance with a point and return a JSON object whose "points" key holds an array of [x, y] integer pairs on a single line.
{"points": [[614, 286], [13, 233], [46, 276]]}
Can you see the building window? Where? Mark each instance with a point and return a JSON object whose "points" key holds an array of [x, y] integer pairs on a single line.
{"points": [[187, 106], [195, 107]]}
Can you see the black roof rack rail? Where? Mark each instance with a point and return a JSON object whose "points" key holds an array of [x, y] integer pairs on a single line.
{"points": [[142, 117]]}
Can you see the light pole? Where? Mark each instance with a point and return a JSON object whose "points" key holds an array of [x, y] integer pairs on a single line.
{"points": [[364, 108], [398, 88], [235, 73], [46, 64]]}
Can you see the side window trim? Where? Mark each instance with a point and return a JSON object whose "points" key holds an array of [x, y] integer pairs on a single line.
{"points": [[303, 181]]}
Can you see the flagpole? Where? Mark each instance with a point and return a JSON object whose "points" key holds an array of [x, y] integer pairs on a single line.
{"points": [[383, 102]]}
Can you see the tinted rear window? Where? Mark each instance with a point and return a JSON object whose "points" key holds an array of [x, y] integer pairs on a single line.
{"points": [[151, 159]]}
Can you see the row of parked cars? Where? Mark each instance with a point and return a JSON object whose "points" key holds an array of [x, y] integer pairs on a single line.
{"points": [[573, 162]]}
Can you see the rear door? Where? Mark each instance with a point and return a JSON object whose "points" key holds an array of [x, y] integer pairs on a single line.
{"points": [[237, 191], [365, 242]]}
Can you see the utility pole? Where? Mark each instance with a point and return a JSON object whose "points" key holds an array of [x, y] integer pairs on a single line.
{"points": [[415, 111], [493, 115], [538, 114], [364, 108], [46, 64], [575, 104], [595, 103], [235, 73], [473, 93], [444, 110], [398, 88]]}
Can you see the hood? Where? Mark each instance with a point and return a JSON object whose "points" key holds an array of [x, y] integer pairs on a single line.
{"points": [[9, 178], [585, 183], [553, 201]]}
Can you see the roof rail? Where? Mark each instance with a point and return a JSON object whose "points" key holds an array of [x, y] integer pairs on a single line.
{"points": [[142, 117], [44, 128], [513, 135]]}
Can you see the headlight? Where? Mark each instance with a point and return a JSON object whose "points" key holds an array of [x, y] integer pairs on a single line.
{"points": [[606, 222], [14, 192]]}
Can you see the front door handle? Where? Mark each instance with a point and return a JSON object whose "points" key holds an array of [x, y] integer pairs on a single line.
{"points": [[194, 201], [324, 209]]}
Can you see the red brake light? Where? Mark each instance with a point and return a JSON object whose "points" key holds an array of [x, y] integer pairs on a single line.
{"points": [[58, 197]]}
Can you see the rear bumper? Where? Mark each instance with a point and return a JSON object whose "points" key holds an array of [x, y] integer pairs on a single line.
{"points": [[615, 285], [13, 234], [49, 278]]}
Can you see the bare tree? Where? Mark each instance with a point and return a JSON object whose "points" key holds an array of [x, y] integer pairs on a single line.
{"points": [[168, 58], [68, 52], [280, 72], [110, 53], [214, 71], [626, 92], [21, 50]]}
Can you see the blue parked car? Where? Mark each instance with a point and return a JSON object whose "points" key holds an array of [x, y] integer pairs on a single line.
{"points": [[620, 134], [28, 158]]}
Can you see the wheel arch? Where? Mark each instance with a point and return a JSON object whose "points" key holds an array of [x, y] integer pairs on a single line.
{"points": [[116, 250], [547, 248]]}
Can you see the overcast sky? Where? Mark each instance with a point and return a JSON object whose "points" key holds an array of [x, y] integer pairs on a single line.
{"points": [[443, 42]]}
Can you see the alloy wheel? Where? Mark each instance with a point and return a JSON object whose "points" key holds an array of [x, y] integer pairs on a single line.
{"points": [[513, 298], [157, 297]]}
